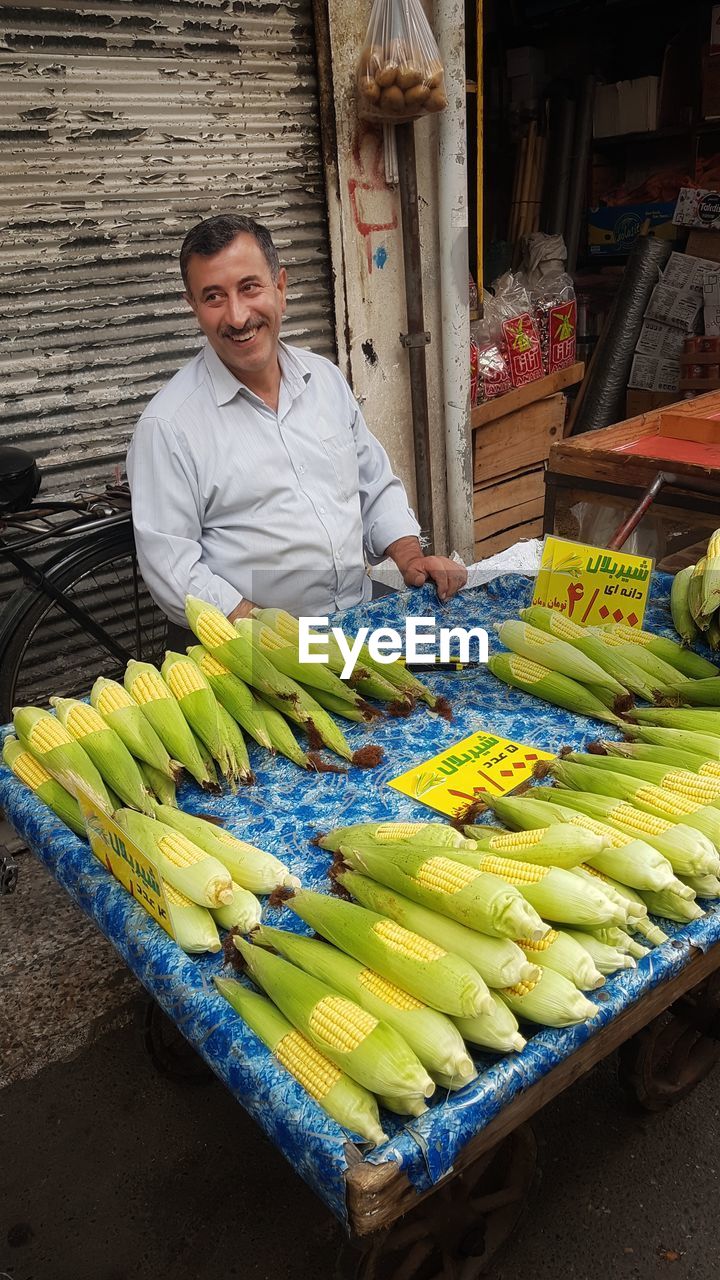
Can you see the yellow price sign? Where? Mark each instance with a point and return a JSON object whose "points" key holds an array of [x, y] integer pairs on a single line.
{"points": [[593, 586], [483, 764], [125, 861]]}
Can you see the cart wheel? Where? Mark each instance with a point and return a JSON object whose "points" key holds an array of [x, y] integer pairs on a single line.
{"points": [[169, 1051], [668, 1058], [455, 1232]]}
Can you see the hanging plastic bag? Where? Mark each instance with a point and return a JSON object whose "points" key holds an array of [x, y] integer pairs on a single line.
{"points": [[399, 75], [555, 310], [489, 372], [515, 329]]}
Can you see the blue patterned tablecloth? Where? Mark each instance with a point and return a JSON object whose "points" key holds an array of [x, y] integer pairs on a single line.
{"points": [[282, 813]]}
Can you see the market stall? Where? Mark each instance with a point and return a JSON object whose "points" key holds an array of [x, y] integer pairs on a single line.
{"points": [[369, 1189]]}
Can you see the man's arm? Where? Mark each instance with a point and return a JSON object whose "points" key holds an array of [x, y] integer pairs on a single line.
{"points": [[416, 568], [166, 509]]}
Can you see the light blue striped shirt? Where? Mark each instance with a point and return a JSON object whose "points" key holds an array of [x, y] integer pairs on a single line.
{"points": [[231, 499]]}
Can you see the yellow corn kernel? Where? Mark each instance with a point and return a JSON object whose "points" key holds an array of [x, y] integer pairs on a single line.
{"points": [[30, 771], [632, 636], [524, 669], [690, 784], [391, 832], [212, 632], [710, 769], [211, 667], [522, 988], [340, 1023], [564, 629], [82, 720], [585, 866], [671, 801], [149, 687], [612, 640], [113, 698], [184, 678], [528, 944], [644, 822], [615, 839], [407, 944], [175, 898], [514, 872], [269, 641], [180, 851], [387, 991], [48, 733], [315, 1073], [517, 839], [445, 875]]}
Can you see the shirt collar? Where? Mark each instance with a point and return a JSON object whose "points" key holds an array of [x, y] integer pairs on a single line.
{"points": [[295, 373]]}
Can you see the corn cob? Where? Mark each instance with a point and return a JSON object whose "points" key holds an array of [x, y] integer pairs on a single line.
{"points": [[425, 834], [618, 938], [187, 684], [233, 694], [242, 913], [397, 675], [638, 920], [148, 689], [186, 867], [282, 738], [712, 635], [647, 796], [607, 960], [545, 846], [687, 851], [695, 594], [208, 762], [421, 968], [497, 1030], [193, 927], [706, 745], [541, 647], [250, 867], [619, 665], [285, 658], [32, 774], [431, 1035], [661, 675], [562, 953], [700, 693], [117, 708], [241, 771], [553, 892], [360, 714], [689, 664], [288, 628], [498, 960], [551, 1001], [690, 761], [371, 1052], [705, 790], [671, 906], [474, 898], [711, 577], [707, 886], [60, 755], [158, 784], [107, 751], [341, 1098], [682, 618], [558, 690], [693, 720]]}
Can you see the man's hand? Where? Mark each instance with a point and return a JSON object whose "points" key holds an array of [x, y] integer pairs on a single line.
{"points": [[416, 568], [243, 610]]}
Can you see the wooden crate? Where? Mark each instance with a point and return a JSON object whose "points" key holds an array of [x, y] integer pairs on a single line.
{"points": [[517, 501], [517, 442]]}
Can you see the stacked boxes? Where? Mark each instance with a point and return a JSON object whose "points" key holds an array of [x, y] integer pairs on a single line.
{"points": [[675, 310]]}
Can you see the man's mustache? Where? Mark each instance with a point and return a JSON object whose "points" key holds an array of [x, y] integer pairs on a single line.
{"points": [[229, 332]]}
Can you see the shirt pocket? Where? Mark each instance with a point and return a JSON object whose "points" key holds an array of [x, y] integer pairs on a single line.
{"points": [[338, 445]]}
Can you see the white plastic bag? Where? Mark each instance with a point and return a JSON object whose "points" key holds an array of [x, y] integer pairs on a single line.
{"points": [[399, 75]]}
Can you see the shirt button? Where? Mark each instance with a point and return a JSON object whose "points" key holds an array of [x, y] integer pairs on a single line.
{"points": [[321, 510]]}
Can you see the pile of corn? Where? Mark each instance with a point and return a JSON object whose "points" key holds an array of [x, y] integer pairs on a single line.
{"points": [[695, 597]]}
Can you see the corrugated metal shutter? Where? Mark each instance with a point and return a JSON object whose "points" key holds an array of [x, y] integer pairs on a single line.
{"points": [[122, 123]]}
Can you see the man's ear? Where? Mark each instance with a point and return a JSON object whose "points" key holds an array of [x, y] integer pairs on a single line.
{"points": [[282, 287], [190, 301]]}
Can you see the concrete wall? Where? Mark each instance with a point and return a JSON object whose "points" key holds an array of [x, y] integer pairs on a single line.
{"points": [[366, 245]]}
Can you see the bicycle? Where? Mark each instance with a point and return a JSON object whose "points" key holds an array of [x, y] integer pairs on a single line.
{"points": [[82, 612]]}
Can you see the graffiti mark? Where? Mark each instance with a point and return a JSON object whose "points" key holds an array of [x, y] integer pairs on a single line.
{"points": [[371, 200], [380, 257], [369, 352]]}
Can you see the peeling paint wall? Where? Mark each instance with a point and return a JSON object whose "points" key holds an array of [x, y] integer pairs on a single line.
{"points": [[122, 123], [366, 240]]}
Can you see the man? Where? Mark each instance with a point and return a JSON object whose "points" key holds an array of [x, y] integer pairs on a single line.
{"points": [[254, 477]]}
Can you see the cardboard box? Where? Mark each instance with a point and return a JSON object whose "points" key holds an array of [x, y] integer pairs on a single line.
{"points": [[704, 244], [697, 207], [613, 229], [637, 401], [630, 106], [660, 340], [651, 373]]}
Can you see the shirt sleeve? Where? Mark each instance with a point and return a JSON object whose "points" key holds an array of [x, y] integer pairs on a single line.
{"points": [[167, 518], [386, 514]]}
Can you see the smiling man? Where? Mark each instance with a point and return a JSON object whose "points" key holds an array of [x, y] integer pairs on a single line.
{"points": [[254, 477]]}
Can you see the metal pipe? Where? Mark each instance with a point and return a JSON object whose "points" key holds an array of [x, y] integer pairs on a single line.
{"points": [[416, 338], [454, 274]]}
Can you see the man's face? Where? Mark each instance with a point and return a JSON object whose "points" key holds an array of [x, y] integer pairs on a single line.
{"points": [[238, 305]]}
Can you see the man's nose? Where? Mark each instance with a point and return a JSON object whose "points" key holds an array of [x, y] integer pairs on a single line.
{"points": [[236, 311]]}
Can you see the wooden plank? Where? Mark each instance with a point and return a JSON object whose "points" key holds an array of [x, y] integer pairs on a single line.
{"points": [[510, 493], [377, 1195], [523, 396], [517, 442], [500, 541], [499, 521]]}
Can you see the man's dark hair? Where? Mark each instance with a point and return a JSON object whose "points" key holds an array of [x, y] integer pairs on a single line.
{"points": [[213, 234]]}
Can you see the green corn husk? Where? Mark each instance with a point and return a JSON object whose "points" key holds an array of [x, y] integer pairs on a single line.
{"points": [[691, 761], [699, 693], [638, 919], [377, 834], [199, 706], [283, 739], [403, 1106], [33, 774], [315, 725], [117, 708], [159, 785], [707, 886], [689, 664], [618, 938], [711, 577], [687, 851], [241, 773], [340, 1097], [712, 635], [553, 892], [497, 1030], [60, 755], [208, 762], [607, 959], [146, 686], [288, 628], [431, 1035], [499, 961], [559, 951], [670, 906], [694, 593], [249, 867], [236, 697], [436, 977], [379, 1058], [541, 647], [194, 873], [552, 1001], [621, 786], [705, 789], [553, 846], [660, 675], [285, 658], [620, 666], [550, 686], [403, 681], [480, 901], [243, 913], [107, 751], [360, 714], [693, 720], [705, 744], [193, 927], [679, 607]]}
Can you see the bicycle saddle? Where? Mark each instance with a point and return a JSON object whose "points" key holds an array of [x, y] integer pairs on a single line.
{"points": [[19, 479]]}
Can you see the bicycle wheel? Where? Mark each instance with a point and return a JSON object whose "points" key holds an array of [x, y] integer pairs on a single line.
{"points": [[45, 652]]}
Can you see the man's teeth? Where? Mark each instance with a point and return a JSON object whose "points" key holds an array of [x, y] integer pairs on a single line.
{"points": [[237, 337]]}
